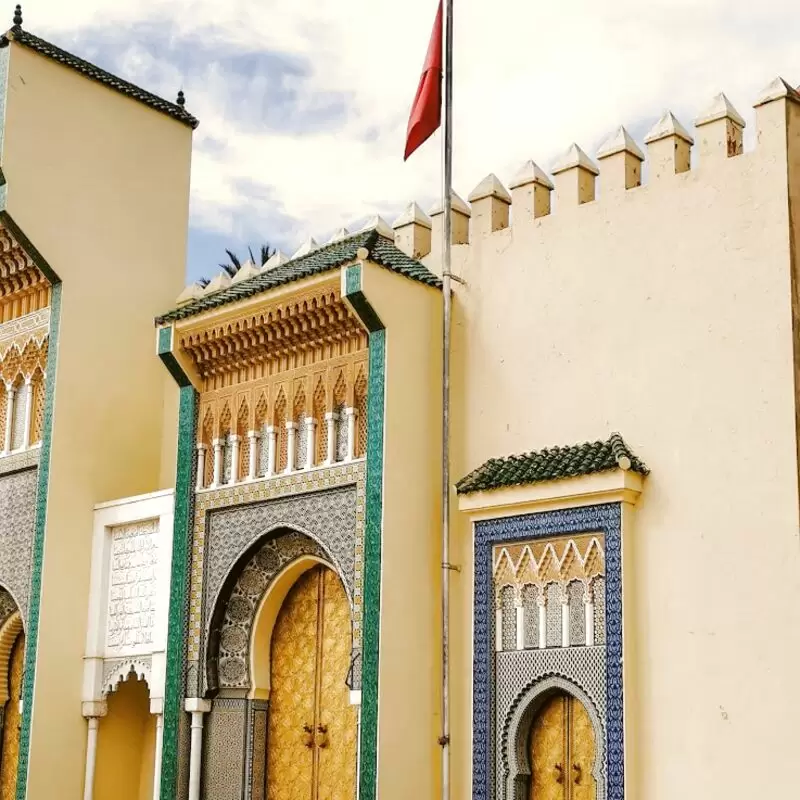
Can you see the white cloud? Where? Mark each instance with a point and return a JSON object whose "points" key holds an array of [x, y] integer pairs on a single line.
{"points": [[530, 78]]}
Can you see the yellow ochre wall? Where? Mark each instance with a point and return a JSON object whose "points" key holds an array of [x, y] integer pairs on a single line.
{"points": [[409, 667], [106, 203], [663, 312], [126, 745]]}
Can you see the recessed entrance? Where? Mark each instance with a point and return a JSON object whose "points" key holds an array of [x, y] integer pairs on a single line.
{"points": [[311, 750], [562, 751]]}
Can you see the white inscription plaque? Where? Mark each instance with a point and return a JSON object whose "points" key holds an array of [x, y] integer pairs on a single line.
{"points": [[132, 586]]}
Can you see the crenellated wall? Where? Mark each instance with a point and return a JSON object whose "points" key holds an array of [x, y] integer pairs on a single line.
{"points": [[663, 308]]}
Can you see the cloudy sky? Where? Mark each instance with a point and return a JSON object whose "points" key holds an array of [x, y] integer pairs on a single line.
{"points": [[303, 105]]}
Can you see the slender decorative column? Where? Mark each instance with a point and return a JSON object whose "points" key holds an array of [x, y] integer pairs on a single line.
{"points": [[588, 608], [253, 466], [217, 463], [235, 442], [291, 434], [196, 707], [26, 433], [201, 464], [541, 603], [520, 609], [331, 418], [272, 445], [311, 442], [564, 617], [93, 711], [351, 413], [10, 392], [157, 708], [498, 621]]}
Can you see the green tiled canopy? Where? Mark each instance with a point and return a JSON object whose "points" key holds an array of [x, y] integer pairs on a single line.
{"points": [[553, 463], [382, 251]]}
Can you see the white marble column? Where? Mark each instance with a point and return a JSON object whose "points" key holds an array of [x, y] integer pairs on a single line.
{"points": [[201, 464], [520, 610], [311, 442], [217, 463], [10, 393], [272, 445], [253, 465], [564, 617], [291, 434], [351, 414], [234, 443], [196, 707], [331, 418], [26, 434], [588, 608], [93, 711], [157, 708], [541, 604]]}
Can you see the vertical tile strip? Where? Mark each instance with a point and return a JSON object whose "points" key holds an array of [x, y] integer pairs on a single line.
{"points": [[32, 628], [373, 529], [178, 600]]}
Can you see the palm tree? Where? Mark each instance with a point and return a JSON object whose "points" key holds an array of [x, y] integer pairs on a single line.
{"points": [[234, 263]]}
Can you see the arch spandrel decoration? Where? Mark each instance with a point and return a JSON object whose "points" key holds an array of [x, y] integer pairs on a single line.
{"points": [[228, 656], [323, 523]]}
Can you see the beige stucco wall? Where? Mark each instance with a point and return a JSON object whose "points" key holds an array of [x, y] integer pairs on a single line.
{"points": [[409, 672], [126, 745], [664, 313], [100, 184]]}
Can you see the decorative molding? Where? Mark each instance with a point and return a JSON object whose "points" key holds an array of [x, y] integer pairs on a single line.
{"points": [[30, 327], [605, 519], [117, 671], [17, 462]]}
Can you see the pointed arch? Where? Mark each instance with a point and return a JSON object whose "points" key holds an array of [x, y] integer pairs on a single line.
{"points": [[319, 408], [360, 403], [279, 420], [9, 632]]}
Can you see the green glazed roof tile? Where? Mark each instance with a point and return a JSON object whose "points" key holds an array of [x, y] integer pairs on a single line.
{"points": [[554, 463], [381, 251], [95, 73]]}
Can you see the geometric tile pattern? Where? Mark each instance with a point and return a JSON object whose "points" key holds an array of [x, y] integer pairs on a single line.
{"points": [[499, 678], [17, 514], [224, 761]]}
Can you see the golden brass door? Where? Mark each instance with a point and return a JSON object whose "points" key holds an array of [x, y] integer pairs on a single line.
{"points": [[561, 750], [311, 743], [9, 756]]}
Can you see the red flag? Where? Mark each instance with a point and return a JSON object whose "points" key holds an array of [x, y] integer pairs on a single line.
{"points": [[426, 112]]}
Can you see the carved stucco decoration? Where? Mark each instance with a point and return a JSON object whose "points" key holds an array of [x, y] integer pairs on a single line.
{"points": [[17, 513], [118, 670], [321, 523]]}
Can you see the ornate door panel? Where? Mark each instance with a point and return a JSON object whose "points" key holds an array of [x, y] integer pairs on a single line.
{"points": [[10, 751], [337, 761], [311, 744], [291, 702], [548, 751], [562, 751]]}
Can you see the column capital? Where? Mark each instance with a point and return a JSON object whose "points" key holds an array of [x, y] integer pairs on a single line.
{"points": [[217, 442], [28, 379], [291, 425], [195, 704], [271, 429], [351, 411], [253, 435], [94, 708], [234, 437], [202, 447], [156, 705], [311, 422]]}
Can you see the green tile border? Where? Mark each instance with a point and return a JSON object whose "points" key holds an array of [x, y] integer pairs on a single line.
{"points": [[373, 530], [43, 479], [179, 574]]}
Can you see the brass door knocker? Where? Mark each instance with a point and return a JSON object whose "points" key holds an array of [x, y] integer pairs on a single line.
{"points": [[321, 740], [559, 770], [308, 736], [576, 768]]}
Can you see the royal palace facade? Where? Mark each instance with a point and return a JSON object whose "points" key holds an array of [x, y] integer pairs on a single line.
{"points": [[221, 505]]}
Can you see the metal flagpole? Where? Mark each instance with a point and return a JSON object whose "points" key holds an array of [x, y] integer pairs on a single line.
{"points": [[444, 741]]}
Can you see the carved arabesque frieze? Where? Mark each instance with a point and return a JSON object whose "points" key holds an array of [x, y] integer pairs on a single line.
{"points": [[23, 287], [277, 336]]}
